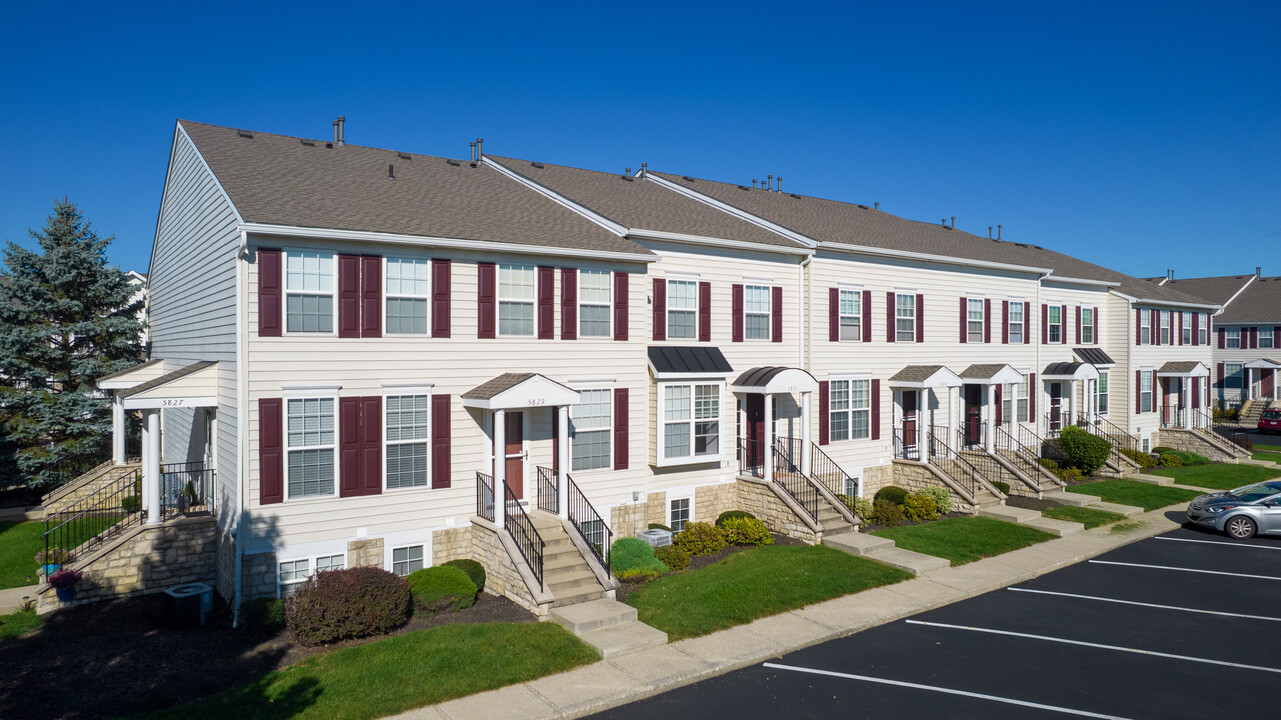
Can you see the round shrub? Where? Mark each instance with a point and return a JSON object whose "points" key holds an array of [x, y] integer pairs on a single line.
{"points": [[1084, 449], [475, 571], [886, 513], [941, 497], [1171, 460], [1048, 464], [263, 615], [701, 538], [1191, 458], [657, 526], [919, 508], [891, 493], [746, 531], [350, 603], [720, 519], [673, 557], [861, 507], [1069, 475], [443, 587], [1143, 459], [1162, 449], [633, 559]]}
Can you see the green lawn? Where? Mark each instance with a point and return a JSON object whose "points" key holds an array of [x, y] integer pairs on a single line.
{"points": [[1219, 476], [752, 584], [1267, 457], [1129, 492], [16, 623], [400, 673], [1274, 448], [20, 541], [964, 540], [1089, 517]]}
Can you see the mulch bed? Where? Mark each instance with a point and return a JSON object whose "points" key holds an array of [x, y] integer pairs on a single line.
{"points": [[698, 562], [118, 659]]}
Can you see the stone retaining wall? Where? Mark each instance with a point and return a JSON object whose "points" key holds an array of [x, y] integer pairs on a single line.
{"points": [[912, 476], [451, 544], [756, 497], [1189, 441], [501, 575], [259, 575], [712, 500], [1007, 476]]}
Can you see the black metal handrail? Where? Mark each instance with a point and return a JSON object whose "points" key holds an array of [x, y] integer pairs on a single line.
{"points": [[185, 487], [751, 457], [1054, 427], [1040, 448], [548, 491], [521, 529], [1230, 430], [979, 459], [788, 475], [968, 475], [1119, 438], [485, 495], [89, 522], [824, 469], [963, 436], [591, 527], [903, 451]]}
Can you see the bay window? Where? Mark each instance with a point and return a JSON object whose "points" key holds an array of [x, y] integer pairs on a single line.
{"points": [[691, 425]]}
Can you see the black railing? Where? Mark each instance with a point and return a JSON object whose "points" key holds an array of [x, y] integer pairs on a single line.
{"points": [[521, 529], [548, 491], [961, 470], [904, 451], [1120, 439], [185, 487], [87, 523], [1038, 446], [485, 495], [789, 476], [133, 449], [590, 525], [1228, 429], [751, 457], [978, 457], [824, 469], [1055, 422], [968, 436]]}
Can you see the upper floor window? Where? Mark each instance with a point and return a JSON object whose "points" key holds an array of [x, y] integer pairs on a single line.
{"points": [[851, 305], [406, 420], [590, 423], [974, 320], [593, 303], [516, 300], [310, 447], [1165, 327], [1145, 391], [905, 317], [1265, 337], [756, 311], [1087, 325], [1185, 329], [1101, 392], [691, 430], [850, 409], [1145, 327], [406, 296], [1203, 331], [1055, 323], [682, 307], [1015, 321], [1014, 402], [309, 292], [1234, 338]]}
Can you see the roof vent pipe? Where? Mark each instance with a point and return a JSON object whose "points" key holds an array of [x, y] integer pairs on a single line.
{"points": [[644, 169], [338, 130], [391, 171], [473, 151], [998, 232], [953, 222], [1258, 272], [989, 232], [480, 149], [753, 182], [778, 186], [943, 222], [771, 182], [1169, 275], [877, 205], [627, 172]]}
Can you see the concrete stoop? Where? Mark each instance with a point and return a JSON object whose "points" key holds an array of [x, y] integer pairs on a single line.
{"points": [[1092, 501], [608, 626], [1150, 479], [884, 551], [1033, 519]]}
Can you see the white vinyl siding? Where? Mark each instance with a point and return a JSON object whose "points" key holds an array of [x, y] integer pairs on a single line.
{"points": [[309, 292], [406, 560], [756, 312], [310, 447], [905, 317], [407, 296], [516, 300], [1087, 325], [1015, 322], [850, 410], [406, 440], [682, 309], [974, 320], [592, 429], [691, 427], [594, 303], [851, 315]]}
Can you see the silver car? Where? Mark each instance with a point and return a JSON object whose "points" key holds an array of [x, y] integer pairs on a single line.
{"points": [[1242, 512]]}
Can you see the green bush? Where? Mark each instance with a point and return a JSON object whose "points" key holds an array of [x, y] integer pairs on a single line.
{"points": [[720, 519], [657, 526], [1171, 460], [443, 587], [131, 503], [1001, 485], [701, 538], [633, 559], [886, 513], [349, 603], [1162, 449], [1048, 464], [891, 493], [1143, 459], [1191, 458], [861, 507], [1085, 450], [475, 571], [920, 508], [941, 497], [746, 531], [263, 615], [1069, 475], [673, 557]]}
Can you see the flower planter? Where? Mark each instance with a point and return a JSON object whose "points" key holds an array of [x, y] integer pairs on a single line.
{"points": [[51, 569], [65, 594]]}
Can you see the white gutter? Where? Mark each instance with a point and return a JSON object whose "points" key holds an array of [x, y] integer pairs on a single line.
{"points": [[432, 241], [1234, 295], [944, 259], [242, 423], [805, 285], [557, 198], [718, 242], [1082, 281]]}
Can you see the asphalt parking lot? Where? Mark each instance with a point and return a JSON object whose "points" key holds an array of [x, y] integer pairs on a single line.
{"points": [[1183, 625]]}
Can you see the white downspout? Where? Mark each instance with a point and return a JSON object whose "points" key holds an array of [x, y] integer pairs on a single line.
{"points": [[242, 423]]}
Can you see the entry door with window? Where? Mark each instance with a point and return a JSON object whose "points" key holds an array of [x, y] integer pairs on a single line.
{"points": [[1056, 406], [514, 453], [973, 416], [909, 419], [1169, 385], [754, 443]]}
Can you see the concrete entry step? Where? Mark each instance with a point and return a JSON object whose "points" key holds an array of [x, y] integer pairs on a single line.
{"points": [[622, 639], [1006, 513], [1150, 479], [593, 615], [1126, 510], [856, 543], [913, 562], [1071, 498], [1054, 526], [609, 626]]}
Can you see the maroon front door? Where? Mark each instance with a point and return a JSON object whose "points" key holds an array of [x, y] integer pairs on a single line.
{"points": [[1268, 382], [1056, 406], [514, 454], [754, 452], [909, 418], [1166, 402], [973, 418]]}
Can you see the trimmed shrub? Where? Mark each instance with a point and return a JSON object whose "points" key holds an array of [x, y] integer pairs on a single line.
{"points": [[920, 508], [349, 603], [891, 493], [1069, 475], [746, 531], [633, 559], [720, 519], [673, 557], [700, 538], [861, 507], [443, 587], [1048, 464], [475, 571], [1085, 450], [1171, 460], [941, 497], [263, 615], [1191, 458], [1162, 449], [886, 513], [1143, 459], [1001, 485], [657, 526]]}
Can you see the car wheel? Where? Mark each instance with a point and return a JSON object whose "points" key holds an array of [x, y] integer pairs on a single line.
{"points": [[1240, 527]]}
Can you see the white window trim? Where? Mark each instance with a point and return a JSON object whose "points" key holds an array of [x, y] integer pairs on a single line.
{"points": [[405, 391], [499, 300], [608, 428], [667, 318], [692, 459], [391, 555], [289, 448], [683, 495], [609, 302], [1229, 337], [1151, 392], [1009, 324], [1049, 324], [1011, 418], [1271, 337], [1145, 323], [1094, 317], [1108, 394], [769, 310], [286, 292], [982, 321], [1185, 328], [897, 334], [858, 314], [388, 296], [851, 378], [1165, 327], [1203, 332], [311, 568]]}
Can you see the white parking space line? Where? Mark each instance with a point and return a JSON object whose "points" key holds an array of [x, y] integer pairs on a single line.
{"points": [[1143, 604], [1220, 542], [948, 691], [1082, 643], [1181, 569]]}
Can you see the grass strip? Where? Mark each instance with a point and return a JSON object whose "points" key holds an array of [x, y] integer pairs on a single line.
{"points": [[964, 540], [1089, 517], [1273, 448], [400, 673], [1144, 495], [20, 541], [1218, 476], [18, 623], [1267, 457], [752, 584]]}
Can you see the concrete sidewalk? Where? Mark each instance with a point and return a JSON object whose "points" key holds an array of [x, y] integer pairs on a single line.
{"points": [[12, 599], [618, 681]]}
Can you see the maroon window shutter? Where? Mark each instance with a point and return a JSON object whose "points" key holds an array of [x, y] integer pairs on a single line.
{"points": [[920, 317], [1221, 373], [1138, 326], [776, 315], [568, 305], [1027, 323], [1254, 338], [1196, 328], [876, 409], [1078, 323], [1095, 320], [622, 445], [1000, 419], [889, 317], [1177, 320], [867, 316], [987, 320], [1063, 325], [1005, 322], [660, 309], [1045, 324], [269, 292], [737, 310], [1138, 391], [833, 314], [349, 445], [824, 422], [620, 306], [704, 312], [348, 296], [371, 296], [271, 456], [440, 450], [1032, 392], [440, 277], [486, 300], [371, 446], [965, 334], [1223, 338], [1155, 321], [546, 293], [1276, 336]]}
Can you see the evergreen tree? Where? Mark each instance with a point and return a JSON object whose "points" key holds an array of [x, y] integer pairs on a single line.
{"points": [[65, 320]]}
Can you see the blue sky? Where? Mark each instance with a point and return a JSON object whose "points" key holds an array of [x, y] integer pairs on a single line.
{"points": [[1144, 137]]}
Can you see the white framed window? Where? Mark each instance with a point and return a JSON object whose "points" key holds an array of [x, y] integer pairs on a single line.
{"points": [[406, 439], [1265, 337], [1145, 327], [1147, 445], [756, 312], [1232, 375], [591, 427], [1234, 338], [325, 563], [851, 315], [1165, 327], [310, 443], [309, 292], [849, 409], [1203, 329], [679, 513], [405, 560], [595, 294], [1101, 392], [682, 309], [691, 425], [292, 575], [851, 487], [1185, 331], [407, 296], [1055, 323], [516, 300], [905, 317], [1145, 391], [1087, 325], [1015, 321], [1014, 404], [974, 320]]}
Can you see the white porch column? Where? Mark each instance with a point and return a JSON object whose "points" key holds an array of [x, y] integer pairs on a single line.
{"points": [[1185, 399], [923, 428], [118, 432], [768, 453], [1091, 400], [989, 443], [562, 462], [806, 452], [500, 467], [1274, 383], [151, 465]]}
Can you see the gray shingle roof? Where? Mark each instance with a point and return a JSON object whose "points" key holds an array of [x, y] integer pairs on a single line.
{"points": [[915, 373], [1260, 303], [1178, 367], [981, 371], [1216, 290], [278, 180], [490, 388]]}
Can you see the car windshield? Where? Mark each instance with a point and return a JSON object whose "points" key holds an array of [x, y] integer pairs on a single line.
{"points": [[1272, 415], [1258, 491]]}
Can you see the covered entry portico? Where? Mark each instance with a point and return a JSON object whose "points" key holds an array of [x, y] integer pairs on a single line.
{"points": [[1184, 387], [982, 398], [1063, 382], [916, 397], [768, 396], [1261, 378]]}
